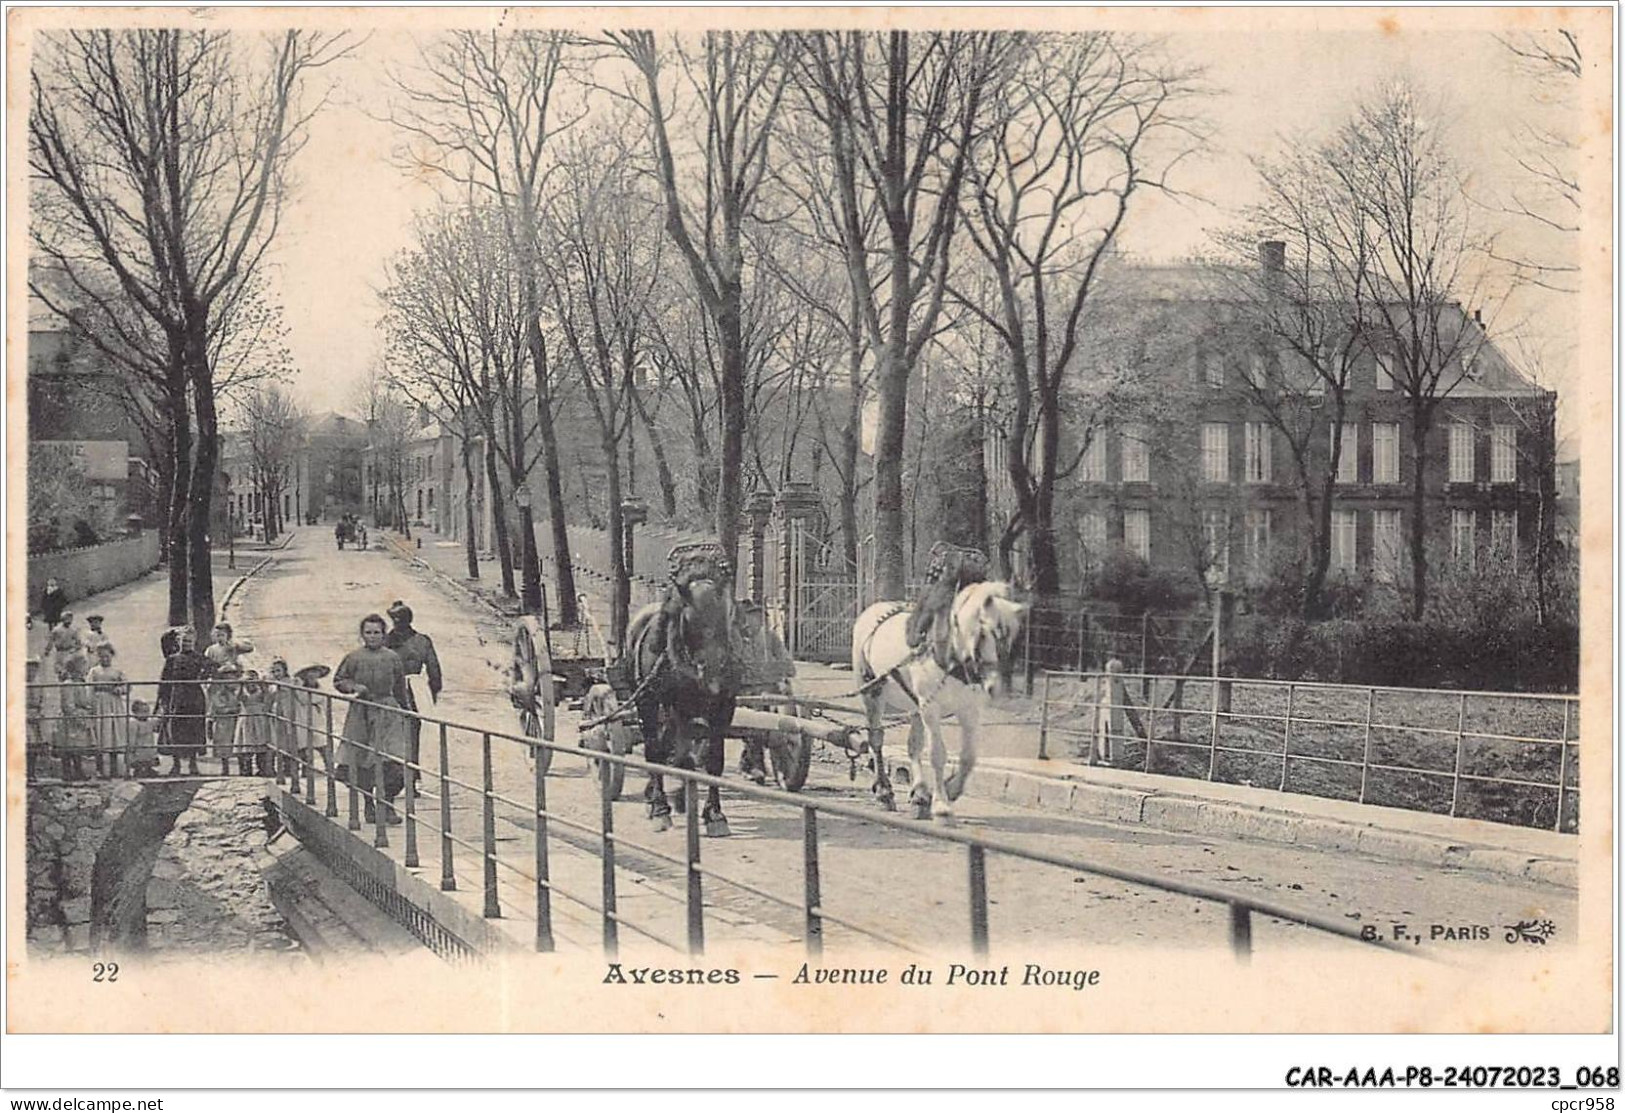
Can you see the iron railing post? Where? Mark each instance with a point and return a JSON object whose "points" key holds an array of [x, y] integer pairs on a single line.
{"points": [[1043, 722], [488, 842], [1286, 735], [1213, 732], [1461, 747], [410, 790], [448, 876], [809, 871], [1241, 933], [544, 890], [332, 810], [380, 810], [309, 759], [1365, 757], [1562, 768], [696, 895], [978, 899], [1150, 690], [352, 773], [606, 827]]}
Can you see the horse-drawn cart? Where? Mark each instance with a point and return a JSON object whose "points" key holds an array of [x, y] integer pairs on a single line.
{"points": [[766, 718]]}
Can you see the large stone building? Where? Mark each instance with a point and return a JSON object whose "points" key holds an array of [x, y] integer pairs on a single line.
{"points": [[1186, 469]]}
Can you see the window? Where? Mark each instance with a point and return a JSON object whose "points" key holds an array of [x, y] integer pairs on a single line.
{"points": [[1503, 454], [1384, 452], [1462, 525], [1385, 374], [1461, 453], [1094, 457], [1345, 533], [1387, 547], [1257, 445], [1093, 537], [1504, 534], [1257, 539], [1137, 533], [1348, 463], [1211, 368], [1136, 454], [1216, 541], [1216, 452]]}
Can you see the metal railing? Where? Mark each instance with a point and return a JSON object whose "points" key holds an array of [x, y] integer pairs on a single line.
{"points": [[304, 755], [1510, 757]]}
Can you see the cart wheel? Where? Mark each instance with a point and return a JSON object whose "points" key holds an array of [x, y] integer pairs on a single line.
{"points": [[614, 738], [530, 685], [792, 754]]}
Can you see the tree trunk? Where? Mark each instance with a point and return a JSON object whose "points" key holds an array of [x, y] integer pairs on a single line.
{"points": [[499, 518], [704, 475], [621, 593], [1419, 560], [178, 512], [469, 549], [564, 577], [851, 433], [890, 440], [201, 558], [1041, 526], [729, 486], [668, 483]]}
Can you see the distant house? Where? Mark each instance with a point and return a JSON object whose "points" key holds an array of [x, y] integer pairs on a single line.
{"points": [[1182, 468]]}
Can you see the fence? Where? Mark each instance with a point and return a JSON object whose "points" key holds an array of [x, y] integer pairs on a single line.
{"points": [[1070, 634], [83, 572], [302, 755], [1502, 756]]}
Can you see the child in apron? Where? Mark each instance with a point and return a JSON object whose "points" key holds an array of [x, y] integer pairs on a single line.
{"points": [[254, 727], [225, 706], [107, 684], [141, 742]]}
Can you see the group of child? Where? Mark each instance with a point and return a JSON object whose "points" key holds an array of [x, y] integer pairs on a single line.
{"points": [[267, 726]]}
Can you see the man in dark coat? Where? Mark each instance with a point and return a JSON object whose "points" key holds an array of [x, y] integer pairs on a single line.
{"points": [[416, 651], [53, 603], [951, 570]]}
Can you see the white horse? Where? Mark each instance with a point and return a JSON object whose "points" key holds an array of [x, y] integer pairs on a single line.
{"points": [[984, 624]]}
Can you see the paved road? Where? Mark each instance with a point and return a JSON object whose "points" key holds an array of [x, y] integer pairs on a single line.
{"points": [[307, 604]]}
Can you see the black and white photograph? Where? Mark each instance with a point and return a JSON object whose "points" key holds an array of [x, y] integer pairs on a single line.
{"points": [[742, 520]]}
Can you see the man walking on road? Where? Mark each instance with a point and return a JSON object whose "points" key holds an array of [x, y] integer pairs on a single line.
{"points": [[417, 655]]}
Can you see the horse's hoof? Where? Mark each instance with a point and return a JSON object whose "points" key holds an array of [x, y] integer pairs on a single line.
{"points": [[944, 819], [888, 803], [660, 822], [717, 828], [679, 804], [922, 809]]}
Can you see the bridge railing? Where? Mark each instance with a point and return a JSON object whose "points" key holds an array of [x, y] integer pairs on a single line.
{"points": [[435, 789], [1509, 757]]}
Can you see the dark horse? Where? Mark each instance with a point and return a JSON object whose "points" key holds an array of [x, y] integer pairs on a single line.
{"points": [[684, 667]]}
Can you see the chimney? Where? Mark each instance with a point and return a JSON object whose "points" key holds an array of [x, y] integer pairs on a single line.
{"points": [[1478, 317], [1272, 255]]}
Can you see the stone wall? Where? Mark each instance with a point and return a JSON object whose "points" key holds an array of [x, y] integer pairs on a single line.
{"points": [[83, 572], [168, 866], [67, 826]]}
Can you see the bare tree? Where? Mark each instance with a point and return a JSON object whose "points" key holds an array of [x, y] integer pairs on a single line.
{"points": [[164, 155], [736, 82], [1080, 127], [1387, 168], [901, 113], [273, 429], [480, 109]]}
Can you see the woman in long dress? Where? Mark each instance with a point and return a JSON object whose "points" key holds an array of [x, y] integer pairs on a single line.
{"points": [[108, 686], [74, 739], [182, 705]]}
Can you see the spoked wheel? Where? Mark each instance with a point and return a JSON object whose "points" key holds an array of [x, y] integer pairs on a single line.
{"points": [[530, 685], [613, 738], [791, 752]]}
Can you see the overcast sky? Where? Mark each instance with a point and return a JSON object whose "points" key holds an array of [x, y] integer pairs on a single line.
{"points": [[353, 208]]}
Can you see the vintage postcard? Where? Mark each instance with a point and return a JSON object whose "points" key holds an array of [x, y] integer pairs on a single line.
{"points": [[811, 521]]}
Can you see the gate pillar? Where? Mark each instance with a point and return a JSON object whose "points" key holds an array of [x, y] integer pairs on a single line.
{"points": [[760, 510], [796, 504]]}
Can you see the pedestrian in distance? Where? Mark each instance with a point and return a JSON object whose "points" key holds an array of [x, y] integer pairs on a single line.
{"points": [[109, 689], [74, 729], [374, 731], [182, 702], [66, 645], [141, 746], [226, 650], [225, 708], [53, 603], [419, 659]]}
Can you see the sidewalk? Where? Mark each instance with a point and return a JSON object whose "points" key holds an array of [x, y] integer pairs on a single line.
{"points": [[1010, 772]]}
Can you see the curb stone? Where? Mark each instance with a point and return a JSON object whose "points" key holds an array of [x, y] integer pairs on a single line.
{"points": [[1188, 815], [231, 592]]}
